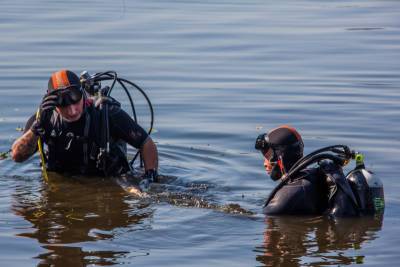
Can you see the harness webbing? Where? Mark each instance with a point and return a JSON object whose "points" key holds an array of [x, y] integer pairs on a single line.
{"points": [[85, 143], [42, 158]]}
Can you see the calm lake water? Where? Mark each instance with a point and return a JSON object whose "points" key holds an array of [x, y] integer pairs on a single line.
{"points": [[218, 73]]}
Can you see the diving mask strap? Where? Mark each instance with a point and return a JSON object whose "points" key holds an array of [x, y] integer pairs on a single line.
{"points": [[281, 166]]}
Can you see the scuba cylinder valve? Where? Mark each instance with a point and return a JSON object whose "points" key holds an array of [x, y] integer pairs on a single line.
{"points": [[89, 84], [367, 187]]}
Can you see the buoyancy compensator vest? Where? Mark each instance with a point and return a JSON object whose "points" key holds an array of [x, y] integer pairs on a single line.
{"points": [[341, 199], [86, 141]]}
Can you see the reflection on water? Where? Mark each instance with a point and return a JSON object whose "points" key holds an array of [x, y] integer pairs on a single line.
{"points": [[70, 211], [295, 241], [76, 256], [218, 74]]}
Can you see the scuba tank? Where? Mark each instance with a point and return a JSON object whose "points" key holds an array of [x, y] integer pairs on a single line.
{"points": [[367, 188]]}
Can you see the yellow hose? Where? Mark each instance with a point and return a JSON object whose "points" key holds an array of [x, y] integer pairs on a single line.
{"points": [[40, 147]]}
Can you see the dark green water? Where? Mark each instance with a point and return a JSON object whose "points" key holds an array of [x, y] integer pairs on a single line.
{"points": [[218, 73]]}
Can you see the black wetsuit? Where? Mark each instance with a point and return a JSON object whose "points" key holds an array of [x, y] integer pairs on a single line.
{"points": [[317, 191], [73, 147], [304, 194]]}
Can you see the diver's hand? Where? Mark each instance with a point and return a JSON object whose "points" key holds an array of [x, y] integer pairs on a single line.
{"points": [[48, 104], [150, 176]]}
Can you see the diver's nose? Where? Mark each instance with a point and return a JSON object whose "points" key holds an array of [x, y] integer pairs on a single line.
{"points": [[72, 110]]}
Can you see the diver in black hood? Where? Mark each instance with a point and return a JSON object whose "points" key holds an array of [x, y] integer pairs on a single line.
{"points": [[306, 189]]}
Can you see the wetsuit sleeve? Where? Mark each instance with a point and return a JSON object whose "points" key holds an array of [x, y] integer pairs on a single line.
{"points": [[29, 123], [122, 126]]}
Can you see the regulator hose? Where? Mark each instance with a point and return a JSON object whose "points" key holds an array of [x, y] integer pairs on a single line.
{"points": [[339, 154], [113, 77]]}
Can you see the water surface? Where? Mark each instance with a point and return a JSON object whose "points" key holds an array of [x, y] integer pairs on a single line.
{"points": [[218, 73]]}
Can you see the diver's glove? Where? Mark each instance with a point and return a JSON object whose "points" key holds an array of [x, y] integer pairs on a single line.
{"points": [[48, 104], [150, 176]]}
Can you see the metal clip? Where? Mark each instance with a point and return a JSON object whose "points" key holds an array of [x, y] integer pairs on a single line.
{"points": [[71, 136]]}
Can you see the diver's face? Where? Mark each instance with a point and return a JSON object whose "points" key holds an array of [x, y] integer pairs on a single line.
{"points": [[71, 112], [268, 163], [268, 166]]}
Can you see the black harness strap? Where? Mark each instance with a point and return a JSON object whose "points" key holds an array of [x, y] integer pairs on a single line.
{"points": [[86, 138], [51, 144]]}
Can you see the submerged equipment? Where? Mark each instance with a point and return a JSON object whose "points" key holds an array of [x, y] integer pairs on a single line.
{"points": [[367, 189]]}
